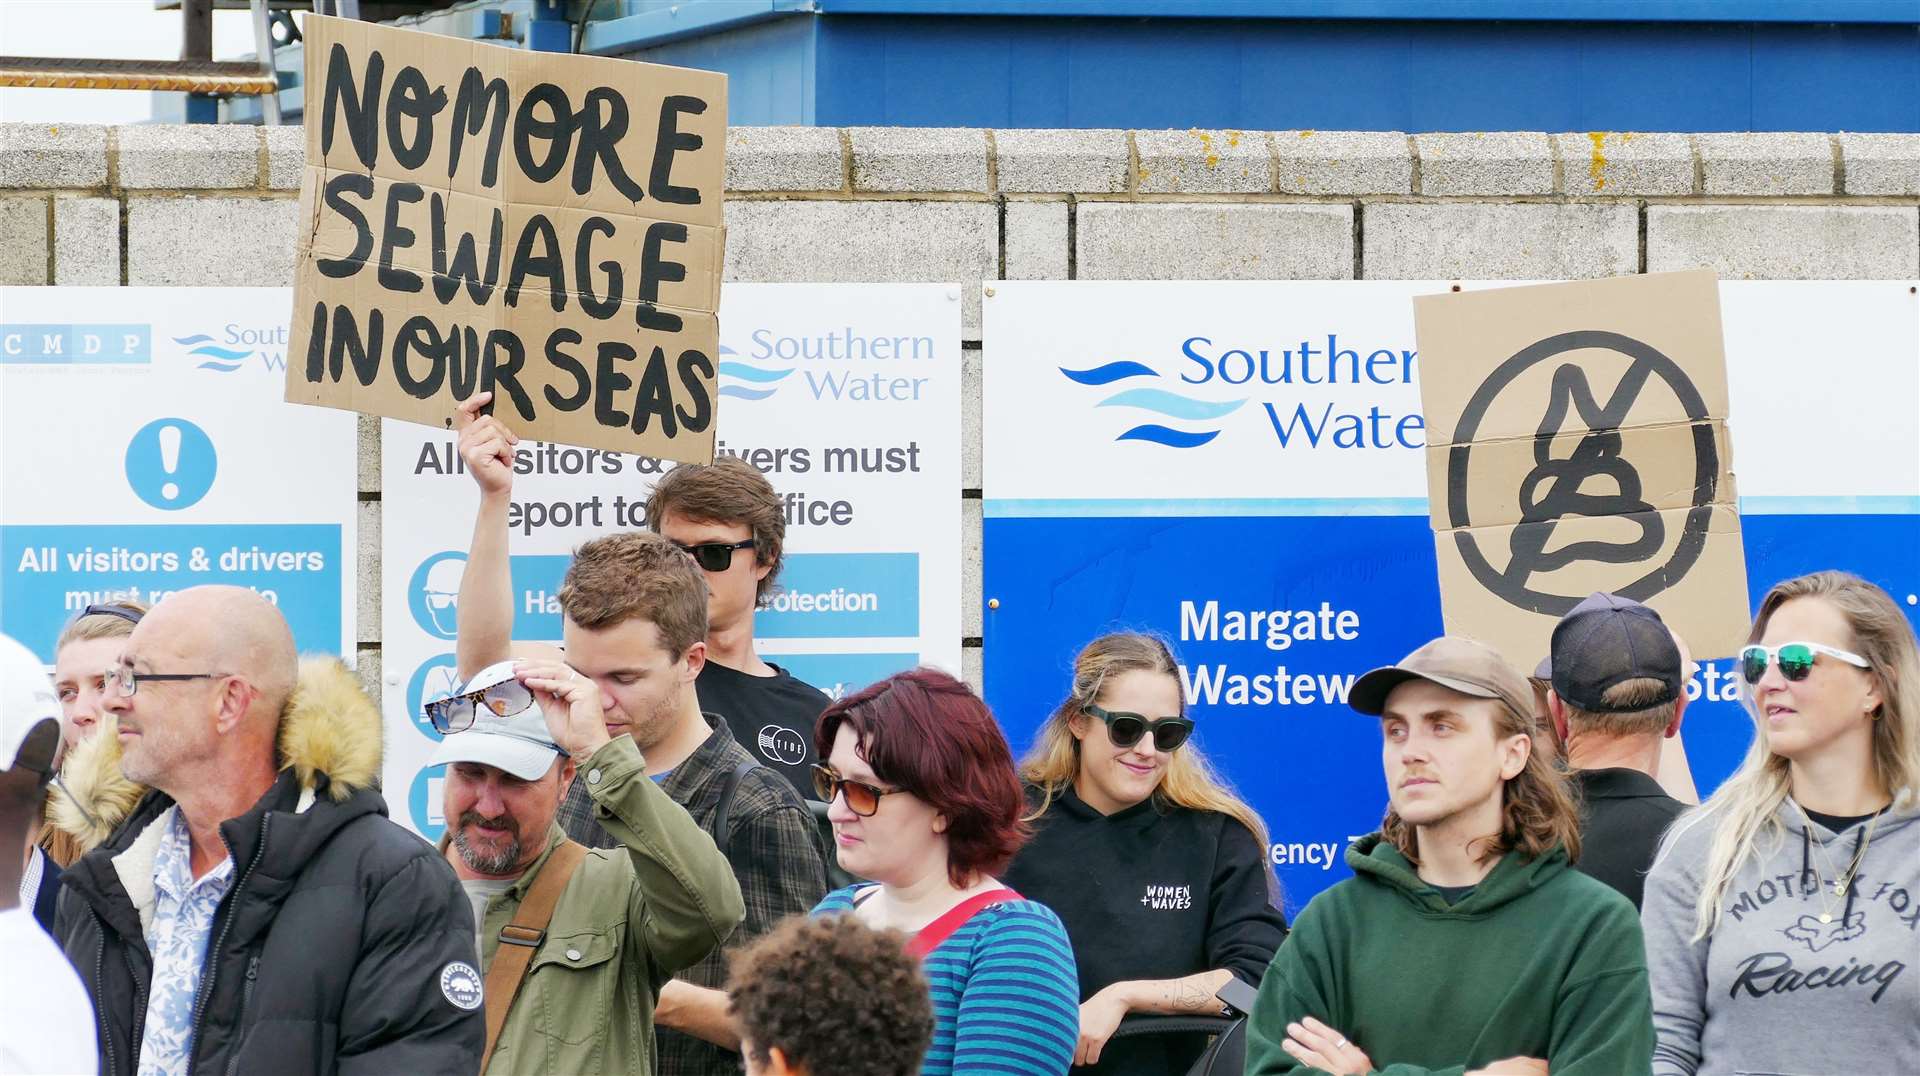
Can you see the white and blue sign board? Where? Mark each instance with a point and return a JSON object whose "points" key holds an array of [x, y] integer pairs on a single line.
{"points": [[847, 396], [145, 448], [1240, 468]]}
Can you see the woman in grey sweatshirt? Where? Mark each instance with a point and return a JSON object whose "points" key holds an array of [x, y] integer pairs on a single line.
{"points": [[1782, 917]]}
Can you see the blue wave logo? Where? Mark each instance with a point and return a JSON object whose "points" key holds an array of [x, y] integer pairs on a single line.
{"points": [[220, 359], [1173, 405], [760, 381]]}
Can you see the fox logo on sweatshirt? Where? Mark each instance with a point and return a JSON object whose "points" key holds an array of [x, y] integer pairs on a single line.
{"points": [[1815, 935]]}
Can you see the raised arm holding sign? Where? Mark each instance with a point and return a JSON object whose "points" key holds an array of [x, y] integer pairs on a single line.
{"points": [[480, 219]]}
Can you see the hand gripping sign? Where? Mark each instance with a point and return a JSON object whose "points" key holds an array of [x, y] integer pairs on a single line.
{"points": [[1578, 442], [546, 227]]}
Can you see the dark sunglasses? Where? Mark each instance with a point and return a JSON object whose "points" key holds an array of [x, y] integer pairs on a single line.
{"points": [[1796, 660], [1125, 729], [714, 556], [862, 799], [456, 713]]}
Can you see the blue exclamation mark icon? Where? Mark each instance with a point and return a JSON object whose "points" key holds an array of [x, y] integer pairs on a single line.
{"points": [[171, 464]]}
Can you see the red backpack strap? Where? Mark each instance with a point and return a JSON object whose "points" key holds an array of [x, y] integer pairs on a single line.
{"points": [[941, 929]]}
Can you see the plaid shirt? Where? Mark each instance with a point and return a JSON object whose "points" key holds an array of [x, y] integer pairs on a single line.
{"points": [[772, 844]]}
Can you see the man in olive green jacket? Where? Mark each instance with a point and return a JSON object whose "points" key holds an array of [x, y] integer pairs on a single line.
{"points": [[627, 920]]}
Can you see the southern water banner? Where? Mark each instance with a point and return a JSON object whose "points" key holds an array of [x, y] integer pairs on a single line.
{"points": [[1240, 467], [145, 447], [847, 396]]}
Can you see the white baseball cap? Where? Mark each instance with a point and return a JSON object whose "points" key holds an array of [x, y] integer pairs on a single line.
{"points": [[518, 743], [29, 711]]}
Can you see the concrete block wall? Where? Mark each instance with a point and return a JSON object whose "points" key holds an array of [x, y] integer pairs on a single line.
{"points": [[187, 206]]}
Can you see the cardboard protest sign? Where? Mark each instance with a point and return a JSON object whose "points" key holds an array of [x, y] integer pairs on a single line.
{"points": [[1577, 442], [543, 226]]}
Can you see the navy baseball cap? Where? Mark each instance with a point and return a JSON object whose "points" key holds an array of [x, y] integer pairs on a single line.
{"points": [[1607, 640]]}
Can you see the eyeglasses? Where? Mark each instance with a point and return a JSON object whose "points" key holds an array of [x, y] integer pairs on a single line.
{"points": [[1125, 729], [124, 682], [714, 556], [456, 712], [862, 799], [1796, 660]]}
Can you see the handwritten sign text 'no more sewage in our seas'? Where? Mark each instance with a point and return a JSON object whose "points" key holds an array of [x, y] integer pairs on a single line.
{"points": [[544, 227]]}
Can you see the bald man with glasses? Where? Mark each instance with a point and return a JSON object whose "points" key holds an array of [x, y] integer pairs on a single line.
{"points": [[256, 911]]}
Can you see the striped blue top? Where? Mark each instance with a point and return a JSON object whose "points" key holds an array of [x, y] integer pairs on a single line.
{"points": [[1006, 994]]}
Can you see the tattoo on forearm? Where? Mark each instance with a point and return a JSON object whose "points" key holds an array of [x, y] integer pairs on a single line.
{"points": [[1192, 995]]}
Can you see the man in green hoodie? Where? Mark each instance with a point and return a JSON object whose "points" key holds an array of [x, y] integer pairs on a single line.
{"points": [[1465, 942]]}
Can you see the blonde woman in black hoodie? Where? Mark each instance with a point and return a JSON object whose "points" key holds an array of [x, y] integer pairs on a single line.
{"points": [[1156, 867]]}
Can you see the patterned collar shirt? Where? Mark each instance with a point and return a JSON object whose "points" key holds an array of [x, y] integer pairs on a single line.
{"points": [[177, 937]]}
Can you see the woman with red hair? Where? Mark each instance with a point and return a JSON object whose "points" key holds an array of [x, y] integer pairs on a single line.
{"points": [[924, 800]]}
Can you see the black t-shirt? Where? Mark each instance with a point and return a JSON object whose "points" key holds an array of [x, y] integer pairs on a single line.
{"points": [[1454, 894], [1150, 893], [1624, 813], [771, 716], [1840, 823]]}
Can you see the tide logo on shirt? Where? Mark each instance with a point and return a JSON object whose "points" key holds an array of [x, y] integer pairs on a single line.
{"points": [[1168, 897]]}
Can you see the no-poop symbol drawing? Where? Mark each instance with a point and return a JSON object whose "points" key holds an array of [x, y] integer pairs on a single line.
{"points": [[1558, 489]]}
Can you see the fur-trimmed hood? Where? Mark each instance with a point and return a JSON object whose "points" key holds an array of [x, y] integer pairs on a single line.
{"points": [[330, 727]]}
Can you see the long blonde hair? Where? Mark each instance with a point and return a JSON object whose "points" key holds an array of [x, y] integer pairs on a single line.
{"points": [[1190, 781], [1743, 810]]}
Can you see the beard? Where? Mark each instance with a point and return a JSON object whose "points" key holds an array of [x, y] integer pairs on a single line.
{"points": [[482, 861]]}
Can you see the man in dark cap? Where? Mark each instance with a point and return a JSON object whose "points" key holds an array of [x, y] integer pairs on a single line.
{"points": [[1618, 688]]}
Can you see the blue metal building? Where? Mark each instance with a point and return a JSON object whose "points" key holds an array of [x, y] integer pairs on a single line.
{"points": [[1407, 65]]}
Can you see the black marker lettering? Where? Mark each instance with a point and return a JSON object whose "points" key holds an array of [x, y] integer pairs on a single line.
{"points": [[656, 396], [653, 270], [669, 141], [558, 131], [361, 106], [395, 236], [479, 98], [335, 196], [465, 267], [411, 98], [608, 381], [696, 371], [582, 387], [547, 264], [419, 335], [594, 305]]}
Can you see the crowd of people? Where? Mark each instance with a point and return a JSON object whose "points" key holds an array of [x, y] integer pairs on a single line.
{"points": [[197, 873]]}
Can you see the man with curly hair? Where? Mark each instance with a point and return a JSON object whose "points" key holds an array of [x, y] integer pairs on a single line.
{"points": [[830, 995]]}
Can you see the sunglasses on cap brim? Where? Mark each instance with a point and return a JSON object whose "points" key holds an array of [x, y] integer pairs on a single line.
{"points": [[456, 713]]}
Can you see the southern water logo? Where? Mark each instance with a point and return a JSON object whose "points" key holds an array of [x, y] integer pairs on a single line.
{"points": [[236, 344], [221, 359], [746, 381], [1157, 400]]}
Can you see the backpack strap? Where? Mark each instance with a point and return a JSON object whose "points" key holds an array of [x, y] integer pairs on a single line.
{"points": [[723, 810], [520, 938], [931, 935]]}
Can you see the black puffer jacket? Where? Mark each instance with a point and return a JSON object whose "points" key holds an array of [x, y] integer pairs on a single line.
{"points": [[343, 943]]}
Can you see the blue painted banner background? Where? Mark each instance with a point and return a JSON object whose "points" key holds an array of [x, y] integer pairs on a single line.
{"points": [[1313, 769]]}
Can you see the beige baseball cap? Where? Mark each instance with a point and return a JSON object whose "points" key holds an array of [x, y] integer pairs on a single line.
{"points": [[1455, 663]]}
